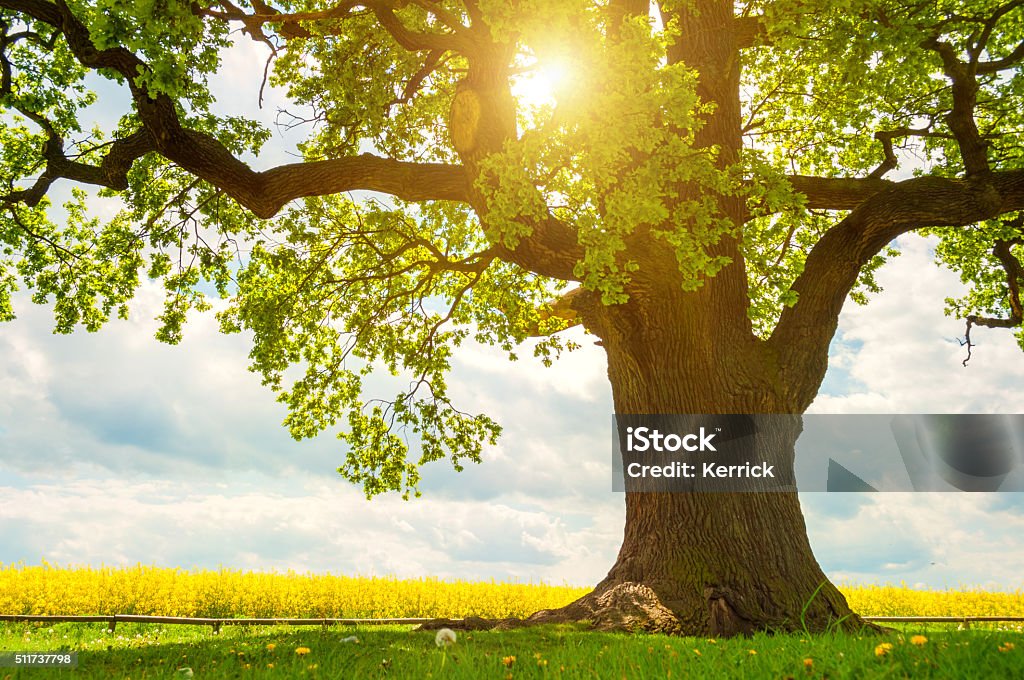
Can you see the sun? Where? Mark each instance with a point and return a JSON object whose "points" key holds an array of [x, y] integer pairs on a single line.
{"points": [[541, 84]]}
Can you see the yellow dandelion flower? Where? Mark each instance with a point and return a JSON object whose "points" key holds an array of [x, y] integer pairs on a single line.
{"points": [[883, 649], [508, 661], [302, 651], [1006, 647], [270, 665], [270, 646], [697, 652], [808, 663], [752, 652], [918, 640]]}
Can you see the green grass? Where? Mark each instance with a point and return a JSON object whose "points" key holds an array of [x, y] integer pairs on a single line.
{"points": [[153, 651]]}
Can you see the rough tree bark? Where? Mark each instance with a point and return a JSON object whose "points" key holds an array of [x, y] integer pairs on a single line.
{"points": [[706, 563], [713, 564], [716, 564]]}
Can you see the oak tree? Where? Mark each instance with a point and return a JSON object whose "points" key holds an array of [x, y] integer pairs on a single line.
{"points": [[702, 194]]}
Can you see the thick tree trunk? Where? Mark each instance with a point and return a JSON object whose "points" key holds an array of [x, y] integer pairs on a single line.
{"points": [[714, 564], [706, 563]]}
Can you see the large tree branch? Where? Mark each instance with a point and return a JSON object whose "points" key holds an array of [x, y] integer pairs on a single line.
{"points": [[290, 24], [1003, 250], [804, 331], [264, 193], [837, 193], [973, 148], [113, 169], [1014, 270], [407, 181], [112, 172], [750, 30], [551, 250], [418, 40], [1009, 61], [981, 44]]}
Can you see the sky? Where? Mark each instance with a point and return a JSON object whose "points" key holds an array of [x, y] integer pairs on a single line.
{"points": [[117, 450]]}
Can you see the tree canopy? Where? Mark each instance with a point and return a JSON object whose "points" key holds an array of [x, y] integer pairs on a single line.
{"points": [[781, 146]]}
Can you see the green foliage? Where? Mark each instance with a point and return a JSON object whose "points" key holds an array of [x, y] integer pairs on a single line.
{"points": [[87, 266], [179, 48], [339, 287], [336, 73], [191, 232], [353, 289], [611, 160], [970, 252], [828, 78], [89, 271]]}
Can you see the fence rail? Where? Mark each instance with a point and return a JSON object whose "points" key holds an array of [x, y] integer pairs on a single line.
{"points": [[113, 619], [966, 621]]}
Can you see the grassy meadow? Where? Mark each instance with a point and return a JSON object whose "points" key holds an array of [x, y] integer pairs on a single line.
{"points": [[159, 651]]}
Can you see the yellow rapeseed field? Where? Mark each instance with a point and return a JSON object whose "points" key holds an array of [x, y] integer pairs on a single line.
{"points": [[902, 601], [157, 591]]}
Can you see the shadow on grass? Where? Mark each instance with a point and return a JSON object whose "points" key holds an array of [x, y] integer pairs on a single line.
{"points": [[564, 651]]}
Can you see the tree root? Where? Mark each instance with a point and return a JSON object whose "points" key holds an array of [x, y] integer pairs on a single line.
{"points": [[635, 607]]}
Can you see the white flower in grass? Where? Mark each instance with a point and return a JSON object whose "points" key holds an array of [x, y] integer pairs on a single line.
{"points": [[185, 672], [445, 637]]}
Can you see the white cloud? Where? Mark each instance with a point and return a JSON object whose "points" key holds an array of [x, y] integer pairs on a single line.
{"points": [[580, 375], [316, 527], [941, 540], [133, 451], [902, 354]]}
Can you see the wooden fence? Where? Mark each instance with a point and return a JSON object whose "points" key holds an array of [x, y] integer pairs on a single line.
{"points": [[113, 619]]}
